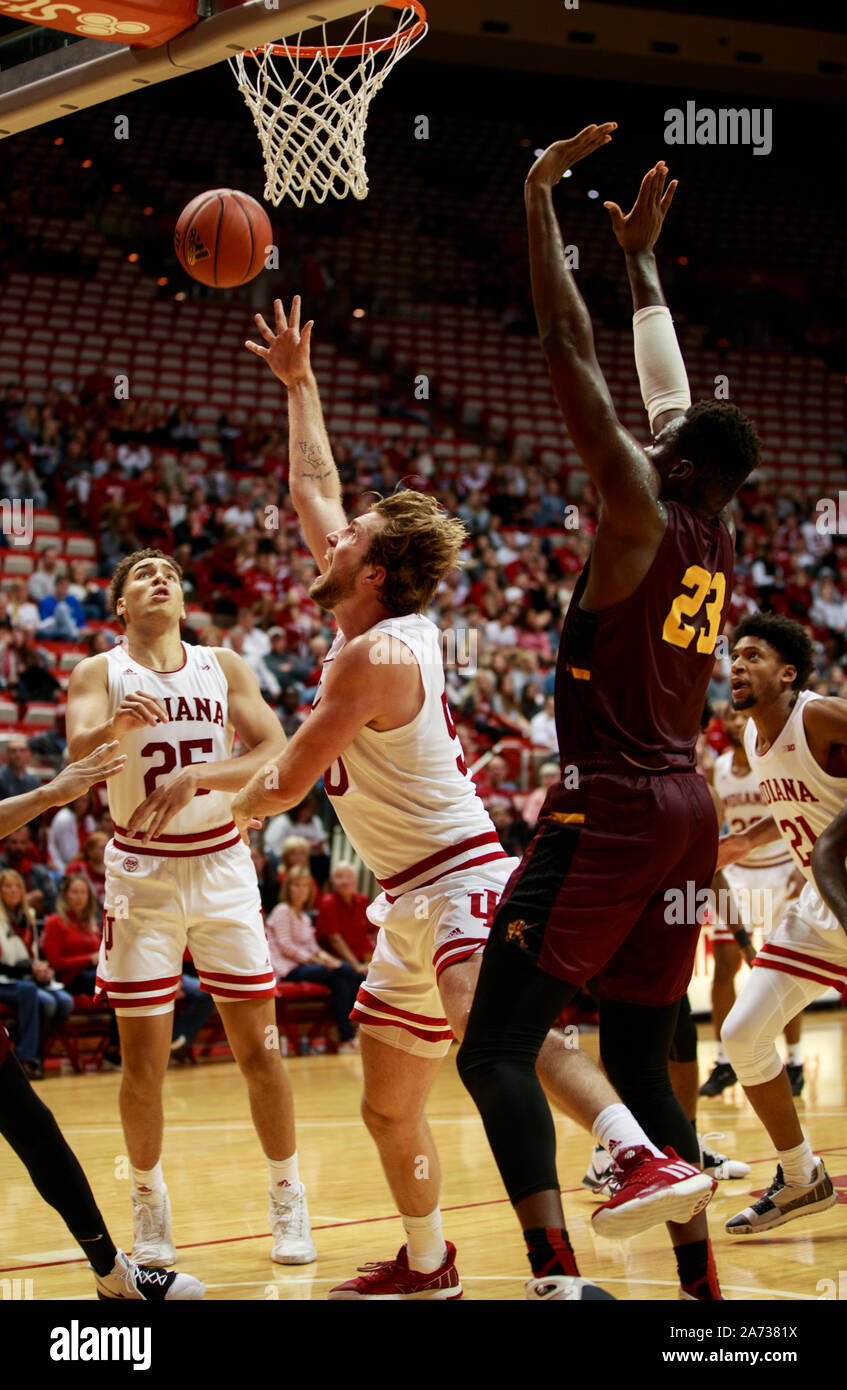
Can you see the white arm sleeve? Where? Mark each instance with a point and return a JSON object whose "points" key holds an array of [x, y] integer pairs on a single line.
{"points": [[658, 360]]}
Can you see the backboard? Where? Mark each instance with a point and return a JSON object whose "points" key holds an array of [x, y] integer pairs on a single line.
{"points": [[45, 74]]}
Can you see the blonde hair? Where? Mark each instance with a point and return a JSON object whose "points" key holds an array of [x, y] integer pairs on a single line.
{"points": [[91, 912], [298, 874], [419, 543], [28, 911], [292, 842]]}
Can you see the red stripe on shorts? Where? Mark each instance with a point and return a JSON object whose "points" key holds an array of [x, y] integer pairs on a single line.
{"points": [[266, 977], [372, 1001], [269, 992], [184, 839], [452, 869], [360, 1018], [452, 959], [136, 986], [432, 860], [774, 948], [801, 974], [157, 853]]}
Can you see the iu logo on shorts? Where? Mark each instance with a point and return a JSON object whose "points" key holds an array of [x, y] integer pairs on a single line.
{"points": [[130, 864]]}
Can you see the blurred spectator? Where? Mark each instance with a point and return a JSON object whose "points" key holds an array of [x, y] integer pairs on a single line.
{"points": [[14, 778], [268, 880], [35, 680], [71, 937], [44, 577], [20, 854], [493, 787], [542, 726], [302, 822], [342, 919], [69, 830], [27, 983], [530, 807], [296, 955], [91, 865], [62, 618]]}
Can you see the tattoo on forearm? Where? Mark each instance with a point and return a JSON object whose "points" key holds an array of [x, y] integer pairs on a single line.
{"points": [[313, 455]]}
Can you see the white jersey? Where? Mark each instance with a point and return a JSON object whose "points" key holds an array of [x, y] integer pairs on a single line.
{"points": [[801, 797], [405, 798], [196, 697], [743, 806]]}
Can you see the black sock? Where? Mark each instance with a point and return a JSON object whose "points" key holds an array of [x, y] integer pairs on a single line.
{"points": [[32, 1131], [549, 1251]]}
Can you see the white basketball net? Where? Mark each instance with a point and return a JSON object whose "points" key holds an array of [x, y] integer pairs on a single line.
{"points": [[311, 109]]}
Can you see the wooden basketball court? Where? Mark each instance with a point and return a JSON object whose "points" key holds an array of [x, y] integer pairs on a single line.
{"points": [[216, 1175]]}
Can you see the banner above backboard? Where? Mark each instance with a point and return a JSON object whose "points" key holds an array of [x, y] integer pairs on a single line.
{"points": [[145, 23]]}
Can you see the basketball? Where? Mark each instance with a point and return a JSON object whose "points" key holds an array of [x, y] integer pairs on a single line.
{"points": [[222, 238]]}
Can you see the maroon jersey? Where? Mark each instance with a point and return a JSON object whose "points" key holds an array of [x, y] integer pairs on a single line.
{"points": [[632, 679]]}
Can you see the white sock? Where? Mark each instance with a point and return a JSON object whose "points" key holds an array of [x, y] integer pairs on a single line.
{"points": [[425, 1242], [794, 1055], [722, 1058], [148, 1184], [284, 1176], [616, 1126], [798, 1164]]}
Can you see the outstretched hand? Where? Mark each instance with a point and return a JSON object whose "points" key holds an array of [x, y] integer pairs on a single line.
{"points": [[638, 230], [554, 163], [287, 350]]}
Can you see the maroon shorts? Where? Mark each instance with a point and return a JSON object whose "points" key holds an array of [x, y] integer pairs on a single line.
{"points": [[607, 884]]}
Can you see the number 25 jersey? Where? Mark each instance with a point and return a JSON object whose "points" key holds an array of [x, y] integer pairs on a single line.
{"points": [[196, 697]]}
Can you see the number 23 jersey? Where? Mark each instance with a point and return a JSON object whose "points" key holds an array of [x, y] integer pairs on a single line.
{"points": [[196, 697], [632, 678]]}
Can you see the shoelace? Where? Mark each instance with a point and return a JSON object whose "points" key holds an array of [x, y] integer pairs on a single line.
{"points": [[376, 1265], [704, 1141], [291, 1215], [145, 1276]]}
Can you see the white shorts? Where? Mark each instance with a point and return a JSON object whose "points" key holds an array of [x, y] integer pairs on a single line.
{"points": [[156, 907], [809, 943], [420, 934], [760, 899]]}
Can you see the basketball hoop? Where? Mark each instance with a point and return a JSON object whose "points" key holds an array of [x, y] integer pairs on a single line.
{"points": [[310, 104]]}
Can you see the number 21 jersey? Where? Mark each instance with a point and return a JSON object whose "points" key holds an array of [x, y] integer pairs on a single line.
{"points": [[196, 697], [795, 790]]}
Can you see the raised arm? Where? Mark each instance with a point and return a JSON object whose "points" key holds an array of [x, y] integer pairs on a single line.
{"points": [[661, 370], [313, 477], [615, 461]]}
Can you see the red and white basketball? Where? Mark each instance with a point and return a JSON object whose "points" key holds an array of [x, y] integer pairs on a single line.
{"points": [[223, 237]]}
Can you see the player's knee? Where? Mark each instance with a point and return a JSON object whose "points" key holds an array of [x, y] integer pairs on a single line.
{"points": [[751, 1050], [387, 1119]]}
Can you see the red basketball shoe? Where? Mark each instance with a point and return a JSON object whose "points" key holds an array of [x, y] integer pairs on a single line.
{"points": [[652, 1190], [393, 1279]]}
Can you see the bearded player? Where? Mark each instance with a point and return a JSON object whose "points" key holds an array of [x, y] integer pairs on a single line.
{"points": [[175, 709], [382, 733], [592, 892], [796, 744], [761, 887]]}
